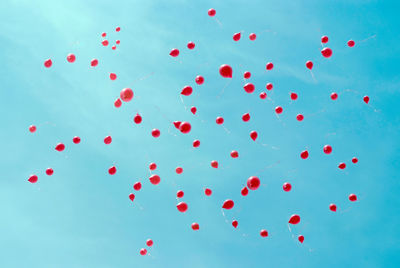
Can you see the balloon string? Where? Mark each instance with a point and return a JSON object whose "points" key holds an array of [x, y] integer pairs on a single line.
{"points": [[219, 23], [223, 89], [372, 36], [313, 77], [186, 108], [142, 78]]}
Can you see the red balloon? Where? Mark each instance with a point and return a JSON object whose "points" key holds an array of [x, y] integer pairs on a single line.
{"points": [[309, 64], [114, 47], [351, 43], [269, 86], [327, 149], [264, 233], [299, 117], [293, 96], [48, 63], [107, 140], [33, 179], [155, 133], [294, 219], [269, 66], [342, 165], [249, 88], [334, 96], [174, 52], [199, 80], [252, 36], [211, 12], [219, 120], [179, 170], [152, 166], [137, 186], [244, 191], [304, 154], [253, 135], [191, 45], [94, 63], [149, 242], [207, 192], [228, 204], [105, 43], [287, 187], [113, 76], [263, 95], [193, 109], [234, 154], [118, 29], [32, 128], [132, 197], [71, 58], [236, 36], [182, 206], [137, 119], [112, 170], [180, 194], [253, 183], [225, 71], [332, 207], [196, 143], [185, 127], [187, 91], [246, 75], [117, 42], [195, 226], [117, 103], [366, 99], [126, 94], [326, 52], [246, 117], [177, 124], [155, 179], [278, 109], [324, 39], [214, 164], [354, 160], [103, 34], [235, 223], [49, 171], [60, 147], [143, 251], [352, 197], [301, 238], [76, 140]]}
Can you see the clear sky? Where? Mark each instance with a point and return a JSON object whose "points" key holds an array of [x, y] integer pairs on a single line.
{"points": [[82, 217]]}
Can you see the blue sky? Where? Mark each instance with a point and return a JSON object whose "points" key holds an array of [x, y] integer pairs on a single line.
{"points": [[82, 217]]}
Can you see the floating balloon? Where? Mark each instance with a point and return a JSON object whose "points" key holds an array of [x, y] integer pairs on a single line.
{"points": [[149, 242], [180, 194], [287, 187], [299, 117], [49, 171], [107, 140], [113, 76], [104, 43], [278, 109], [112, 170], [324, 39], [263, 95], [211, 12], [326, 52], [332, 207], [60, 147], [113, 47], [253, 183], [131, 197], [334, 96], [327, 149], [352, 197], [264, 233], [207, 192], [294, 219], [143, 251], [195, 226], [137, 186], [244, 191], [126, 94], [48, 63], [269, 66], [71, 58], [301, 238], [249, 88], [269, 86], [137, 119], [193, 109], [199, 80], [155, 133], [228, 204], [117, 42], [293, 96], [117, 103], [179, 170], [219, 120], [225, 71], [366, 99], [235, 223], [214, 164], [252, 36], [191, 45], [174, 52], [253, 135], [246, 117], [32, 128], [33, 179], [76, 140], [155, 179], [177, 124], [354, 160], [309, 64], [94, 63], [118, 29], [236, 36], [196, 143], [182, 207], [246, 75], [304, 154], [234, 154], [187, 91], [342, 165], [103, 35], [351, 43], [185, 127], [152, 166]]}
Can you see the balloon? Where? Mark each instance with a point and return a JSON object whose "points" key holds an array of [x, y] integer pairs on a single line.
{"points": [[105, 43], [246, 117], [334, 96], [278, 109], [326, 52], [207, 192], [185, 127], [263, 95], [103, 35], [252, 36], [114, 47], [354, 160], [177, 124], [236, 36], [137, 186], [117, 42], [253, 183], [180, 194], [352, 197], [269, 86], [149, 242], [269, 66], [225, 71], [71, 58], [324, 39], [155, 133], [351, 43], [249, 88], [49, 171], [195, 226], [118, 29], [152, 166], [60, 147], [191, 45], [137, 119], [264, 233], [33, 179], [199, 80], [309, 64], [126, 94], [113, 76], [304, 154], [244, 191], [234, 154], [112, 170], [32, 128], [246, 75], [193, 109], [332, 207], [235, 223], [182, 207], [228, 204], [196, 143], [327, 149], [174, 52], [287, 187], [187, 91], [143, 251], [211, 12], [131, 197], [117, 103], [155, 179], [301, 238], [253, 135], [342, 165], [94, 63], [48, 63], [299, 117], [294, 219], [219, 120], [366, 99], [293, 96], [214, 164], [179, 170], [107, 140], [76, 140]]}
